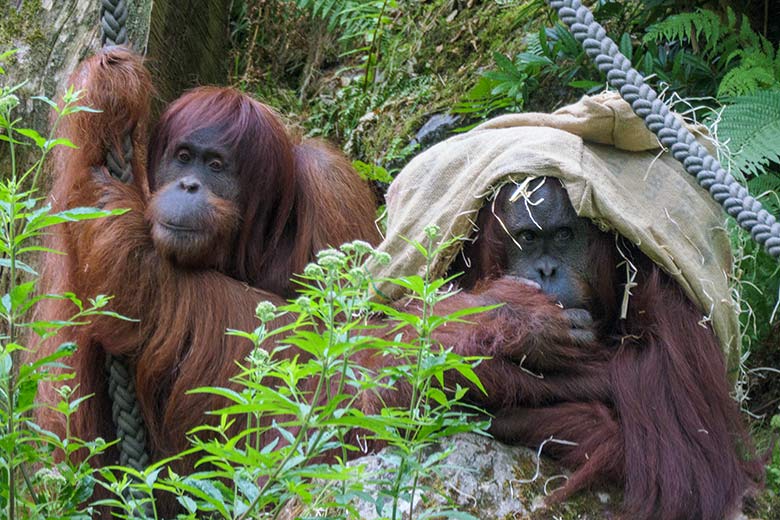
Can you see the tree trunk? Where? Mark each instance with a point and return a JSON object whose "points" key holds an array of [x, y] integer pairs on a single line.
{"points": [[186, 42]]}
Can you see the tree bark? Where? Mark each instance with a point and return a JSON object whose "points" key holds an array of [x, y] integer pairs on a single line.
{"points": [[186, 42]]}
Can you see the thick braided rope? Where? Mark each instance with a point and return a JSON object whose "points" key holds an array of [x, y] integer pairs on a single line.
{"points": [[128, 421], [121, 166], [125, 412], [709, 173], [113, 17]]}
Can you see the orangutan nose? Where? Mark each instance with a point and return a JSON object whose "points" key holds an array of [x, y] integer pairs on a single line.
{"points": [[189, 184]]}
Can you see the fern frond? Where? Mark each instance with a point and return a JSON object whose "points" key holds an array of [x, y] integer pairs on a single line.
{"points": [[752, 125], [701, 23], [746, 79], [356, 18], [534, 44], [767, 188], [765, 183]]}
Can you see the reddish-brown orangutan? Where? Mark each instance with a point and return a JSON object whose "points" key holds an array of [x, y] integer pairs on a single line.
{"points": [[668, 432], [229, 202], [228, 208]]}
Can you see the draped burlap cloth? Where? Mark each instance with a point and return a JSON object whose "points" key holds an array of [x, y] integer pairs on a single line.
{"points": [[615, 174]]}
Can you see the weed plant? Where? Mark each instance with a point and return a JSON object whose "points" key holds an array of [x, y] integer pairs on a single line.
{"points": [[307, 404], [298, 414]]}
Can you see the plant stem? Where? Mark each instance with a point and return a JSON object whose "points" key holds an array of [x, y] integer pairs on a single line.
{"points": [[293, 448], [39, 164], [397, 486], [10, 387], [371, 59]]}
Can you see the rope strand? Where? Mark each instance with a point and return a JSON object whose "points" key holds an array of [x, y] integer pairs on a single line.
{"points": [[113, 19], [709, 173]]}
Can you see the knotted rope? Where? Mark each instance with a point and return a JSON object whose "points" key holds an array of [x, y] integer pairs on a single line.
{"points": [[709, 173], [121, 166], [126, 413]]}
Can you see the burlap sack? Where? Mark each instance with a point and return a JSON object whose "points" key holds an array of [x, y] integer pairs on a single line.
{"points": [[614, 173]]}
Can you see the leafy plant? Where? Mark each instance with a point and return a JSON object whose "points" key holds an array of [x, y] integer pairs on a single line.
{"points": [[773, 468], [371, 172], [738, 59], [361, 22], [550, 53], [54, 489], [750, 126], [296, 411]]}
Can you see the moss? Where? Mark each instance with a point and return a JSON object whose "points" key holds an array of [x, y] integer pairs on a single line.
{"points": [[445, 54], [764, 505], [20, 25]]}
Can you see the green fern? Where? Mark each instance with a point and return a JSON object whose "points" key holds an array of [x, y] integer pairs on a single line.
{"points": [[767, 188], [700, 24], [745, 79], [751, 125], [356, 18], [747, 61], [759, 68], [534, 43]]}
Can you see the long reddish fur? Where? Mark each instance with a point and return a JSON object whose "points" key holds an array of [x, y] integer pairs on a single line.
{"points": [[292, 190], [179, 340], [669, 433], [635, 404]]}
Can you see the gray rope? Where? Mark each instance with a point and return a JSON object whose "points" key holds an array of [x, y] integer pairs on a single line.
{"points": [[709, 173], [128, 421], [121, 166], [125, 412], [113, 17]]}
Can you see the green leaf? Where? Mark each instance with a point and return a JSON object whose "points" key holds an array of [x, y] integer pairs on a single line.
{"points": [[528, 58], [188, 504], [6, 364], [86, 213], [51, 143], [20, 294], [7, 54], [585, 84], [27, 390], [6, 263], [371, 172], [151, 477], [752, 125], [40, 141], [626, 49], [46, 100], [7, 139], [75, 109], [468, 373], [503, 62], [206, 491]]}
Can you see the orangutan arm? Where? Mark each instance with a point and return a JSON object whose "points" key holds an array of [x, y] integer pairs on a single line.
{"points": [[111, 256], [534, 354]]}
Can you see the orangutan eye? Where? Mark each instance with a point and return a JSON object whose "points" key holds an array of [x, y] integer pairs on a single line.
{"points": [[215, 165], [183, 155], [527, 236], [564, 234]]}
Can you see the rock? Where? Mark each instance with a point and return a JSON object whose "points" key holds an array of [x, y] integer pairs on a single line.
{"points": [[484, 478], [435, 129]]}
